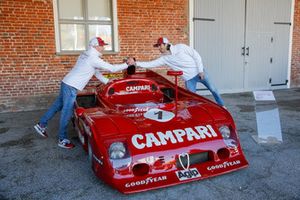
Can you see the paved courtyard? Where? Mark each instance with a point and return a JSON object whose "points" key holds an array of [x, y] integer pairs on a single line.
{"points": [[35, 168]]}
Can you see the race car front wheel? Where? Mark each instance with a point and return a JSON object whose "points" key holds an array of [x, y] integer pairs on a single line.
{"points": [[90, 154]]}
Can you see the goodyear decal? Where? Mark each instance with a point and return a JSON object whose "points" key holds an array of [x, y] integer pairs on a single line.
{"points": [[146, 181], [224, 165]]}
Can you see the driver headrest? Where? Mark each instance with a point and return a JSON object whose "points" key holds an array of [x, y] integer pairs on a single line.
{"points": [[132, 91], [132, 86]]}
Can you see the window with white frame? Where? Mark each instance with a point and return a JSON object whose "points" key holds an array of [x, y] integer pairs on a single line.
{"points": [[77, 21]]}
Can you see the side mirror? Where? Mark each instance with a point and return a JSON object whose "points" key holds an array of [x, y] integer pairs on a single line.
{"points": [[79, 111]]}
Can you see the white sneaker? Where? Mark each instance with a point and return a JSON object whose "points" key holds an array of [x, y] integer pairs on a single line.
{"points": [[40, 130], [65, 143]]}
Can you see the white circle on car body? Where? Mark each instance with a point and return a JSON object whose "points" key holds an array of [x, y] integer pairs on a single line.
{"points": [[159, 115]]}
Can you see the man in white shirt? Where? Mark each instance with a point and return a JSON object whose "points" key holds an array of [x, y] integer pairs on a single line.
{"points": [[183, 58], [88, 64]]}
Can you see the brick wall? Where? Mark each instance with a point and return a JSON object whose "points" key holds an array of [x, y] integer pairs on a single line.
{"points": [[30, 70], [295, 69], [29, 67]]}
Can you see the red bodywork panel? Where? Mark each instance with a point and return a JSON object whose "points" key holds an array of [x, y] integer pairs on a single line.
{"points": [[164, 141]]}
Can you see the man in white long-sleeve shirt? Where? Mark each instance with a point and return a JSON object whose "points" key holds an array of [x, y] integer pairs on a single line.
{"points": [[88, 64], [183, 58]]}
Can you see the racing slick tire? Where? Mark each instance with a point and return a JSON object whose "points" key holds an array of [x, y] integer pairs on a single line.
{"points": [[90, 154]]}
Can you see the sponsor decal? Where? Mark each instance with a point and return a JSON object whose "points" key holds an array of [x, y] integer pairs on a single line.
{"points": [[146, 181], [111, 75], [138, 88], [150, 160], [184, 156], [148, 140], [224, 165], [136, 110], [188, 174], [135, 115]]}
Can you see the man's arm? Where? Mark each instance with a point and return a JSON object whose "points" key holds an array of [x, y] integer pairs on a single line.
{"points": [[154, 63], [101, 64], [100, 77]]}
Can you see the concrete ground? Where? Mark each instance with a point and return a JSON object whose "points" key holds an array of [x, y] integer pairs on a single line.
{"points": [[35, 168]]}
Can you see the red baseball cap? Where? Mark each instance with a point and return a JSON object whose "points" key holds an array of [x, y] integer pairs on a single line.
{"points": [[97, 41], [161, 40]]}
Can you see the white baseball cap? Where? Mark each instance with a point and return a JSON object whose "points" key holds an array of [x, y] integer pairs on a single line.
{"points": [[161, 40], [97, 41]]}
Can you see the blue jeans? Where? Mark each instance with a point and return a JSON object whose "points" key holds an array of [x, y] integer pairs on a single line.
{"points": [[192, 83], [64, 103]]}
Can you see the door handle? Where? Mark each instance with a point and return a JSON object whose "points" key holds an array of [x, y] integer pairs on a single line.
{"points": [[243, 51], [247, 51]]}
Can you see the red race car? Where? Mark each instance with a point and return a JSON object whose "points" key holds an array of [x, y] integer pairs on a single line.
{"points": [[141, 132]]}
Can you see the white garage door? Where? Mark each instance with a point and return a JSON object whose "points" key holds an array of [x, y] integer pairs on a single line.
{"points": [[244, 44]]}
